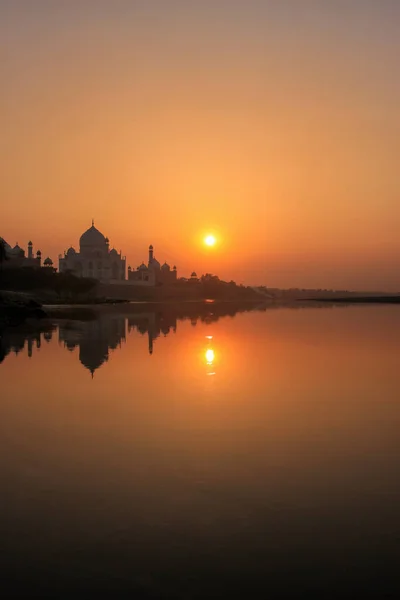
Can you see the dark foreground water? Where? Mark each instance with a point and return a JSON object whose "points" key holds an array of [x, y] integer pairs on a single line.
{"points": [[151, 457]]}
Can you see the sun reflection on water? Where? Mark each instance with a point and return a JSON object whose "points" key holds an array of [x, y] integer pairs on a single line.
{"points": [[210, 355]]}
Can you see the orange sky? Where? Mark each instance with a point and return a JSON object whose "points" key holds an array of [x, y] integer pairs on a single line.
{"points": [[275, 126]]}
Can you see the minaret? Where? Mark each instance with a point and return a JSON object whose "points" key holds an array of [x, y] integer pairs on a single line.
{"points": [[30, 250], [150, 253]]}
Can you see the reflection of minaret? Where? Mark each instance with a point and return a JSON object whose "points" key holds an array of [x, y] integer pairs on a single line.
{"points": [[153, 323], [30, 346], [48, 336]]}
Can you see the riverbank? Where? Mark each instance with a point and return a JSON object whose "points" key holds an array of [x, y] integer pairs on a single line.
{"points": [[15, 308], [18, 307], [357, 300], [187, 307]]}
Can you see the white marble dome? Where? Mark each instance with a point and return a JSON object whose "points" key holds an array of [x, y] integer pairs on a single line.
{"points": [[92, 237], [154, 264]]}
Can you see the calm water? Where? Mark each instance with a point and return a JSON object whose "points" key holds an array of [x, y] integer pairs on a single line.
{"points": [[153, 457]]}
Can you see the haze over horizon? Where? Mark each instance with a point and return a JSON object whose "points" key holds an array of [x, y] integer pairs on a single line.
{"points": [[274, 125]]}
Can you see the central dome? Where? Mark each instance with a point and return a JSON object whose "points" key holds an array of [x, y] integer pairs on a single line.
{"points": [[92, 237]]}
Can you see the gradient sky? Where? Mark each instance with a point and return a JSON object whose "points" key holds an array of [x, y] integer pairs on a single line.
{"points": [[273, 123]]}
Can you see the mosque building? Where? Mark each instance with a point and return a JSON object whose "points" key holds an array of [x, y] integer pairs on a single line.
{"points": [[153, 273], [94, 259], [16, 256]]}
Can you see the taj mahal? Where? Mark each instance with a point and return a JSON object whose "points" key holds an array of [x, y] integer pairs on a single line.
{"points": [[96, 260]]}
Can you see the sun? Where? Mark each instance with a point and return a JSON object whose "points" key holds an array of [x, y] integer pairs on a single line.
{"points": [[209, 240]]}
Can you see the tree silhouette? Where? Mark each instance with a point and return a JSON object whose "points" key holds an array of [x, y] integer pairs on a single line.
{"points": [[3, 253]]}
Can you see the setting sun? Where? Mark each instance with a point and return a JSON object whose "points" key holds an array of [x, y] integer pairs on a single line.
{"points": [[209, 240]]}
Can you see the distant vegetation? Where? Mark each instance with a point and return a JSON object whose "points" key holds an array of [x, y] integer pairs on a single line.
{"points": [[48, 286], [3, 253], [291, 294], [46, 283], [203, 288]]}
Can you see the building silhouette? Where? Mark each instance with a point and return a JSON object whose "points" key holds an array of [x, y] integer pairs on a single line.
{"points": [[153, 273], [17, 257]]}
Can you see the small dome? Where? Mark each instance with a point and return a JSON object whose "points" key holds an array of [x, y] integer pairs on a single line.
{"points": [[92, 237], [151, 247], [174, 267], [113, 252], [166, 267], [71, 251], [38, 253], [30, 243], [16, 251], [129, 268], [107, 240], [142, 267], [193, 274], [48, 261]]}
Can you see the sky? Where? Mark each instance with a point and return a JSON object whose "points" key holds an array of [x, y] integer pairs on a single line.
{"points": [[273, 125]]}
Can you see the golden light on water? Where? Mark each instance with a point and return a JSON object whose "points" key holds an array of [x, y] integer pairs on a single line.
{"points": [[210, 355]]}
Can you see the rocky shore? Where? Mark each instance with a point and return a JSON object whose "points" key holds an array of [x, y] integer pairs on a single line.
{"points": [[16, 307]]}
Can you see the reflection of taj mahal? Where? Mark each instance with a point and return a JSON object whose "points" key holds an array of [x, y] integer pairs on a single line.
{"points": [[94, 339], [154, 324]]}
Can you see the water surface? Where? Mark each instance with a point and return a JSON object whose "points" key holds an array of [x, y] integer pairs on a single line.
{"points": [[146, 456]]}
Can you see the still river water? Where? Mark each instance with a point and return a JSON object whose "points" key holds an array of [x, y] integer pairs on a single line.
{"points": [[150, 456]]}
